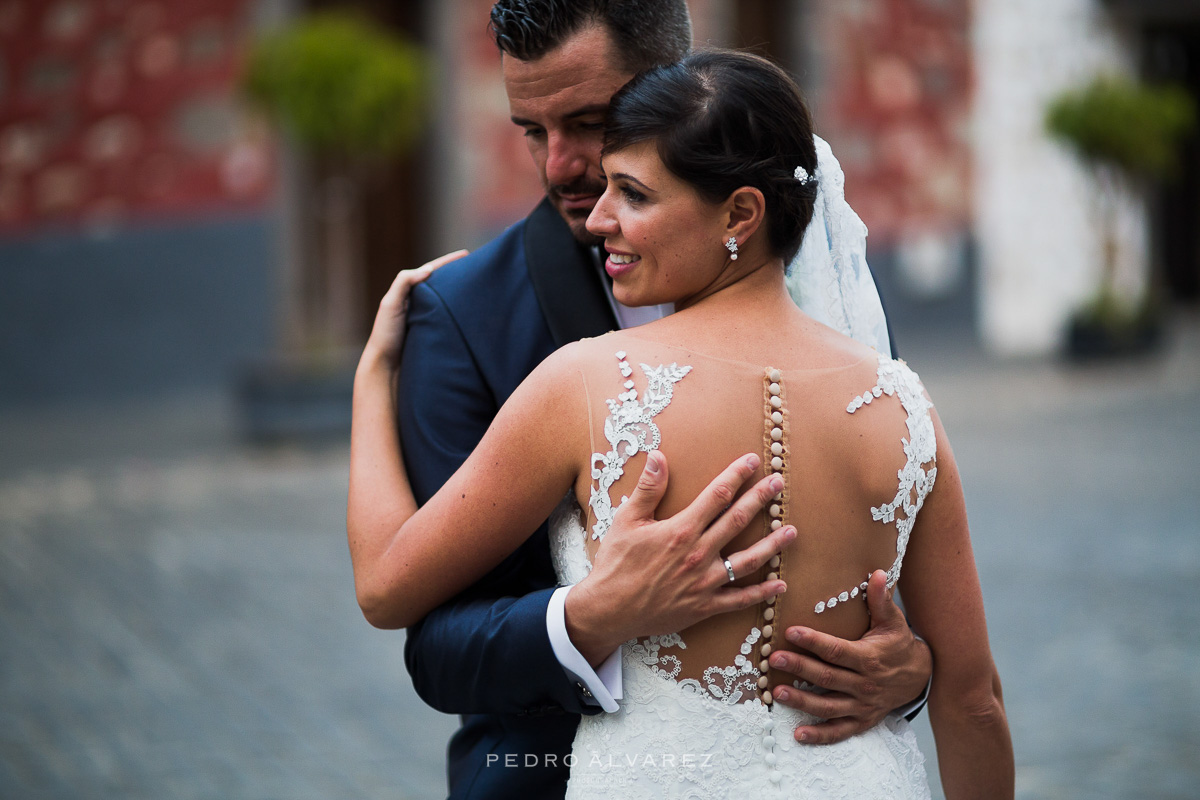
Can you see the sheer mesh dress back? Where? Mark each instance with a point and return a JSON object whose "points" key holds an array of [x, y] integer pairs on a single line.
{"points": [[851, 433]]}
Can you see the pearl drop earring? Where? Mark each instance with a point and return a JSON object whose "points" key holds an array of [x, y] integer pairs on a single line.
{"points": [[733, 248]]}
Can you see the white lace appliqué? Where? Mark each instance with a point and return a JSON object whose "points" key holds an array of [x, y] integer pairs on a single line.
{"points": [[734, 683], [629, 428], [647, 652], [894, 378], [568, 542]]}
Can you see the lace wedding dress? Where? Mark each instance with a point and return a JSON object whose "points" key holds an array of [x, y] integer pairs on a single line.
{"points": [[856, 446]]}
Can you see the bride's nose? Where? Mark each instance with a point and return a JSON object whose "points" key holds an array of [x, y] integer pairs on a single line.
{"points": [[601, 222]]}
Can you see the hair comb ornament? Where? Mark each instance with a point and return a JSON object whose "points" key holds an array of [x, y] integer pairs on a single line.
{"points": [[806, 180]]}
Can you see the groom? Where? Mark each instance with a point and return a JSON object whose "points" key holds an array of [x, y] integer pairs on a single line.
{"points": [[519, 658]]}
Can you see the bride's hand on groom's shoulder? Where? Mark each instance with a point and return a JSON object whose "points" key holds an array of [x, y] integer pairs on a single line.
{"points": [[862, 681], [387, 334]]}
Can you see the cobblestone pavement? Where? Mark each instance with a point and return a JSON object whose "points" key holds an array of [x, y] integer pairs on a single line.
{"points": [[177, 620], [181, 624]]}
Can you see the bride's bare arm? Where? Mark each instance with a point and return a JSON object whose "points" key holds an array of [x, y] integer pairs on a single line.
{"points": [[407, 560], [942, 596], [380, 497]]}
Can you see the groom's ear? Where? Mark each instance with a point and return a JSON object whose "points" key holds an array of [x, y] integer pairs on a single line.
{"points": [[746, 209]]}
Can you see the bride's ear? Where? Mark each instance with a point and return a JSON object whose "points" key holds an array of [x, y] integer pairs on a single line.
{"points": [[745, 211]]}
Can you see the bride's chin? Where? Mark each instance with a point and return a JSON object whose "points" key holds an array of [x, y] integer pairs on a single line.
{"points": [[627, 296]]}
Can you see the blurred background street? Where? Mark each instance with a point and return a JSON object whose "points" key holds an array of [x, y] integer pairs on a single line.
{"points": [[187, 275]]}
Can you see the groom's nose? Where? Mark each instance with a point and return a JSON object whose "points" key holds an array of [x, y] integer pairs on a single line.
{"points": [[566, 160]]}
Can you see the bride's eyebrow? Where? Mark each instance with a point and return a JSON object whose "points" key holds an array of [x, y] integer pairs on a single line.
{"points": [[624, 176]]}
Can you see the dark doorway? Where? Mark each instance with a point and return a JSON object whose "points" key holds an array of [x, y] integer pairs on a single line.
{"points": [[765, 27], [1172, 54], [1170, 33]]}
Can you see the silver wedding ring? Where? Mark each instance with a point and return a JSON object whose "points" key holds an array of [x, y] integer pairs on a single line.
{"points": [[729, 569]]}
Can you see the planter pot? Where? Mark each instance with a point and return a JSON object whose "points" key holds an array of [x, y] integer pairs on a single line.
{"points": [[296, 399], [1089, 340]]}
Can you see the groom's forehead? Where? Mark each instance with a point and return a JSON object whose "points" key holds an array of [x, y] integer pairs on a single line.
{"points": [[584, 64]]}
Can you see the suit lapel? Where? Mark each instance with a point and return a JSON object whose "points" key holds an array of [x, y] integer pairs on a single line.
{"points": [[564, 279]]}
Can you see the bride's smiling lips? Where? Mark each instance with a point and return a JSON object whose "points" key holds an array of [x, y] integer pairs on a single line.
{"points": [[619, 263]]}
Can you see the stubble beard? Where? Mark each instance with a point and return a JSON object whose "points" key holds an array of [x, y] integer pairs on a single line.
{"points": [[576, 219], [578, 226]]}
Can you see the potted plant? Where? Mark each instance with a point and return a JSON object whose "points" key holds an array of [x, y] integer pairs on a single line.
{"points": [[349, 96], [1127, 134]]}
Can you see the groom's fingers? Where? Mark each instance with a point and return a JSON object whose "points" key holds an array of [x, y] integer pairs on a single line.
{"points": [[747, 562], [651, 486], [719, 496], [842, 714], [756, 556], [819, 673], [829, 649], [734, 519], [738, 597], [834, 730], [884, 611]]}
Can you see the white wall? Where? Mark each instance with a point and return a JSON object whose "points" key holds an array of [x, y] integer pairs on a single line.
{"points": [[1039, 252]]}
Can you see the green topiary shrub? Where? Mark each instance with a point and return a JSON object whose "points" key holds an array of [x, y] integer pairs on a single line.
{"points": [[341, 85], [1117, 122], [1126, 133]]}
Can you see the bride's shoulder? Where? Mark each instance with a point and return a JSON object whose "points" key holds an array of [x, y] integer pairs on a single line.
{"points": [[826, 348], [589, 350], [571, 359], [830, 349]]}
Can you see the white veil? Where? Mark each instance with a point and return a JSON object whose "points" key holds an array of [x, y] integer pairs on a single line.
{"points": [[829, 278]]}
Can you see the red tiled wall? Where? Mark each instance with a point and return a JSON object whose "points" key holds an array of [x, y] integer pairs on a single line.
{"points": [[118, 109], [896, 105]]}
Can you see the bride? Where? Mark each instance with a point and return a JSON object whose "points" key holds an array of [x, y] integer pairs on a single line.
{"points": [[711, 178]]}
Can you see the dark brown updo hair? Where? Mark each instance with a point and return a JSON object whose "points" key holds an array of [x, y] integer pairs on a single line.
{"points": [[722, 120]]}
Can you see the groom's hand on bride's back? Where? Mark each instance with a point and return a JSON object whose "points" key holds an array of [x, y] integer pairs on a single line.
{"points": [[657, 576], [862, 681]]}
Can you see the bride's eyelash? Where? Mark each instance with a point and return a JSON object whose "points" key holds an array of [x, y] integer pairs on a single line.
{"points": [[632, 195]]}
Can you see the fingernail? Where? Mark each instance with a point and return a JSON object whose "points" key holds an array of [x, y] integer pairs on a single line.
{"points": [[652, 463], [792, 636], [780, 693], [752, 461], [776, 483], [802, 736], [789, 533]]}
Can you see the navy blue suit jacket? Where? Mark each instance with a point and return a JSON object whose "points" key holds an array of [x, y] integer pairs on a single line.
{"points": [[477, 328]]}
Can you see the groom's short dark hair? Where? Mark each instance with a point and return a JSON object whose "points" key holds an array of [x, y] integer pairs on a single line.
{"points": [[645, 33]]}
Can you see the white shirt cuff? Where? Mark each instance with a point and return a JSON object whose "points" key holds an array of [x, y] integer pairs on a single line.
{"points": [[605, 684]]}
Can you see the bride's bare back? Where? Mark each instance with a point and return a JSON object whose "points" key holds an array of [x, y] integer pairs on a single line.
{"points": [[706, 395]]}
